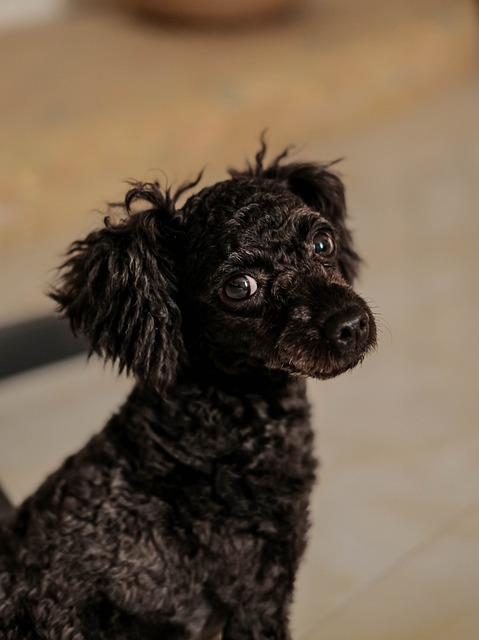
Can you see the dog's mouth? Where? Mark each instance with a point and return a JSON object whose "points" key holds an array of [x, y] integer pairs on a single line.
{"points": [[323, 366]]}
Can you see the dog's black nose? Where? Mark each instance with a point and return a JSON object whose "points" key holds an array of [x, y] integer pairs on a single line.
{"points": [[347, 330]]}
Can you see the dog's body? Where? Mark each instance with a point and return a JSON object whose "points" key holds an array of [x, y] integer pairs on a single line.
{"points": [[187, 515]]}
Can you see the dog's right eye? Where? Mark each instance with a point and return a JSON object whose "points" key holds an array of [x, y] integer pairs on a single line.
{"points": [[240, 287], [324, 244]]}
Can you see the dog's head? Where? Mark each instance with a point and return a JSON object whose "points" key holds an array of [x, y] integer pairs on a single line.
{"points": [[254, 272]]}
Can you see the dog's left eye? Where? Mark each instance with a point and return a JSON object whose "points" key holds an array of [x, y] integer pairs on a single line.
{"points": [[324, 244], [240, 287]]}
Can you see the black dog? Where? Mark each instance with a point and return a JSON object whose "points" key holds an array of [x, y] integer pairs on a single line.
{"points": [[186, 516]]}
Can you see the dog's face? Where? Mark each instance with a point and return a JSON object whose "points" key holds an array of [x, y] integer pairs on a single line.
{"points": [[265, 277], [253, 272]]}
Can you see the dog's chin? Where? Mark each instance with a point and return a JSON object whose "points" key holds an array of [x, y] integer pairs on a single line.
{"points": [[329, 365], [336, 370]]}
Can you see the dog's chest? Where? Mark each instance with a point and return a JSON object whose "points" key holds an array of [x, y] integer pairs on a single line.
{"points": [[246, 456], [242, 499]]}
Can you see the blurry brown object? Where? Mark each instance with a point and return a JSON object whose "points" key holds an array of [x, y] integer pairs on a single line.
{"points": [[208, 10]]}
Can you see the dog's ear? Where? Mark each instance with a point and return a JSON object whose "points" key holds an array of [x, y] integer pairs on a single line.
{"points": [[118, 289], [323, 192], [317, 187]]}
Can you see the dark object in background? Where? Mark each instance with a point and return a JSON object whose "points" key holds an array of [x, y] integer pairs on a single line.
{"points": [[34, 343], [209, 11]]}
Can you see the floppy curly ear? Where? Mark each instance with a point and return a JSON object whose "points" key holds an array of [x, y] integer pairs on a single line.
{"points": [[118, 288]]}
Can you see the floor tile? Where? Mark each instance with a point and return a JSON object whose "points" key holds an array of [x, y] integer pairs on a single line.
{"points": [[49, 413], [431, 595]]}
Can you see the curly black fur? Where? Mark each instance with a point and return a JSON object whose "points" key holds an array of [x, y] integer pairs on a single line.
{"points": [[186, 517]]}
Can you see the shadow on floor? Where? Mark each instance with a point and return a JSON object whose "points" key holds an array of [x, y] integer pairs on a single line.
{"points": [[34, 343]]}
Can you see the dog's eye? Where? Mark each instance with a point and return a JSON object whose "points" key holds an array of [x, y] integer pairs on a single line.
{"points": [[324, 244], [240, 287]]}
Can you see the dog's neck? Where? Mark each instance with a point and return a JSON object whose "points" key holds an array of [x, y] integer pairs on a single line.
{"points": [[234, 373], [171, 423], [252, 379]]}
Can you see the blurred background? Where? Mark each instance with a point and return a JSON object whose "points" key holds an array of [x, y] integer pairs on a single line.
{"points": [[93, 93]]}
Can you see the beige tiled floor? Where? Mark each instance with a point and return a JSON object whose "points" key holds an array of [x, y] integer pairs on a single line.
{"points": [[394, 550]]}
